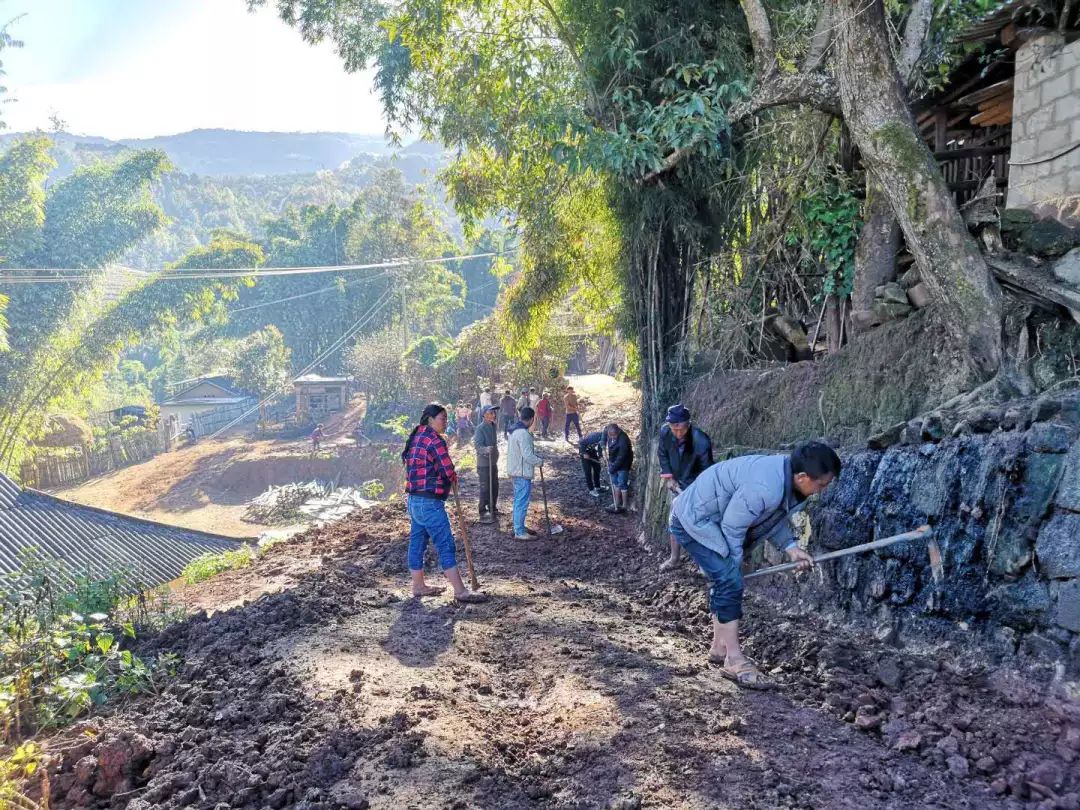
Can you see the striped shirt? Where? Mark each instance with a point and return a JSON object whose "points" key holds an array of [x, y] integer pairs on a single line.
{"points": [[429, 472]]}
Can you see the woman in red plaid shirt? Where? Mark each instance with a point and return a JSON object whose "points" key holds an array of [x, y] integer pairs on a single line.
{"points": [[429, 477]]}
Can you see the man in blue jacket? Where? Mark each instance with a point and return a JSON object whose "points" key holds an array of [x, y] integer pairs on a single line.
{"points": [[684, 452], [734, 502]]}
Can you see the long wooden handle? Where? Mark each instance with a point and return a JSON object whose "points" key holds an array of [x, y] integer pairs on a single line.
{"points": [[921, 532], [543, 492], [465, 540]]}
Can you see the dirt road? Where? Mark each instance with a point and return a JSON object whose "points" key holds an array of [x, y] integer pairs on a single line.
{"points": [[582, 684], [207, 486]]}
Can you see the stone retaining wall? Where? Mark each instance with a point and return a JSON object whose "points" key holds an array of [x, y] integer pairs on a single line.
{"points": [[1005, 507]]}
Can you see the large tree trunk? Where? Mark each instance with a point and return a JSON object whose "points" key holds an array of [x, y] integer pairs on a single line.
{"points": [[877, 114], [875, 255]]}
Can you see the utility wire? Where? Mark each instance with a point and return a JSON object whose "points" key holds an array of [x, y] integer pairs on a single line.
{"points": [[37, 275], [337, 344]]}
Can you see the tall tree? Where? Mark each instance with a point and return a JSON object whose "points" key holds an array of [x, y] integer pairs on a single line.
{"points": [[64, 336]]}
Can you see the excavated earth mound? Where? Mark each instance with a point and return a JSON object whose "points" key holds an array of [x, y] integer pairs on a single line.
{"points": [[581, 684]]}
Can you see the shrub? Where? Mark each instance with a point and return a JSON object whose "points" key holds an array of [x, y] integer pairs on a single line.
{"points": [[209, 565], [63, 649]]}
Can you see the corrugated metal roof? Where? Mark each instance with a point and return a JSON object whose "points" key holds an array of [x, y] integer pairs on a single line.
{"points": [[9, 492], [988, 25], [91, 541]]}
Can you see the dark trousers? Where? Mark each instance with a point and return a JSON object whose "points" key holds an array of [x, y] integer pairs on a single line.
{"points": [[592, 473], [725, 574], [575, 420], [544, 422], [489, 487]]}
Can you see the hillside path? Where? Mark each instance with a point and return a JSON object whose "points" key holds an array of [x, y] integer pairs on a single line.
{"points": [[581, 684]]}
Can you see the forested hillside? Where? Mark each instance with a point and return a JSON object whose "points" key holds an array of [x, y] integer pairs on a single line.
{"points": [[235, 180], [89, 337]]}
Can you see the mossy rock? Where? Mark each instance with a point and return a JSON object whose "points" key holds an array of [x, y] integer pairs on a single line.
{"points": [[1014, 220], [1050, 238]]}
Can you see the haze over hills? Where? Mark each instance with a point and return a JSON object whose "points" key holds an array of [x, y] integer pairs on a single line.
{"points": [[231, 153], [236, 180]]}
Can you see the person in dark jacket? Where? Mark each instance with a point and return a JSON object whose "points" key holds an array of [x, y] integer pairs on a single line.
{"points": [[736, 502], [429, 479], [591, 451], [507, 412], [486, 442], [685, 452], [620, 452]]}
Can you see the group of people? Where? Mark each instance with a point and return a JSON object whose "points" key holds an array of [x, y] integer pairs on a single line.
{"points": [[510, 408], [717, 509]]}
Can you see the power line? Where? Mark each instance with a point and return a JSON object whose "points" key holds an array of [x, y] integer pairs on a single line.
{"points": [[333, 287], [319, 291], [35, 275], [337, 344]]}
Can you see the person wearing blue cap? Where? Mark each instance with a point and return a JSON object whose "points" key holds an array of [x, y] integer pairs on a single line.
{"points": [[685, 453]]}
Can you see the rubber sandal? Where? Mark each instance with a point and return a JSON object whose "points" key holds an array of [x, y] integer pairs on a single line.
{"points": [[432, 590], [746, 676], [472, 598]]}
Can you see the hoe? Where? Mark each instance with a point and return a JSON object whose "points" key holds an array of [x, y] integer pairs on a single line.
{"points": [[921, 533]]}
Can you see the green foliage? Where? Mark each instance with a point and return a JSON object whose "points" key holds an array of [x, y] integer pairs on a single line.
{"points": [[261, 363], [23, 170], [3, 323], [210, 565], [17, 767], [374, 488], [64, 650], [96, 214], [831, 213], [66, 337], [400, 425], [225, 251], [427, 350]]}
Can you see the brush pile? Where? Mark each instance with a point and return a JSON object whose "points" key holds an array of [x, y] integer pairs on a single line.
{"points": [[280, 505]]}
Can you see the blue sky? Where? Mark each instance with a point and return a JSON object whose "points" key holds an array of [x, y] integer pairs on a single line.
{"points": [[135, 68]]}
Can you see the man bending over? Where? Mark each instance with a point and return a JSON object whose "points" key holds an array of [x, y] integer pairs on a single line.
{"points": [[734, 502]]}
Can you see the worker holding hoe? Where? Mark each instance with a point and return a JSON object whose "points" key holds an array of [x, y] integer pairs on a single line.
{"points": [[741, 500], [684, 452], [486, 442], [620, 454], [429, 478]]}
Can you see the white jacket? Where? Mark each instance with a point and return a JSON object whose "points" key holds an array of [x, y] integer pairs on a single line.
{"points": [[521, 459]]}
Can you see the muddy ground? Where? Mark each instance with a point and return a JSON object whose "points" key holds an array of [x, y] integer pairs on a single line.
{"points": [[582, 684]]}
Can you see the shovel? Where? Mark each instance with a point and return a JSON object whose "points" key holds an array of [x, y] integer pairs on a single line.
{"points": [[921, 533], [552, 530]]}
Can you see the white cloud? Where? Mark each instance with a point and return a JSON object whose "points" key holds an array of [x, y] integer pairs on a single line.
{"points": [[217, 66]]}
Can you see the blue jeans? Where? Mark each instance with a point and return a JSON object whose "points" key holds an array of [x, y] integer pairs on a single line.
{"points": [[725, 573], [575, 420], [522, 493], [620, 480], [429, 520]]}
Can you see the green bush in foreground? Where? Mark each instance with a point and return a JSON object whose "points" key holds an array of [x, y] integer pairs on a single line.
{"points": [[65, 650], [209, 565]]}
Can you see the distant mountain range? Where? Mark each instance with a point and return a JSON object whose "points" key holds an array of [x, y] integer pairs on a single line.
{"points": [[236, 180], [230, 153]]}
